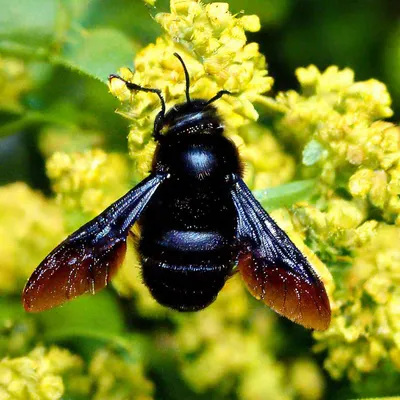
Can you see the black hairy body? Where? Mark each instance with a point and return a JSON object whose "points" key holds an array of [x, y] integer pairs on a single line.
{"points": [[188, 231]]}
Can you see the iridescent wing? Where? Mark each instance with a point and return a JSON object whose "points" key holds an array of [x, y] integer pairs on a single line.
{"points": [[273, 268], [87, 260]]}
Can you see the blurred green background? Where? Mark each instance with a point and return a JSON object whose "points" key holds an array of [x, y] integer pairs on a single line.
{"points": [[52, 84]]}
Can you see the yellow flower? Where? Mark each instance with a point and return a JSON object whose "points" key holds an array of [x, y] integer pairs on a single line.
{"points": [[336, 232], [212, 43], [333, 123], [334, 126], [266, 164], [54, 139], [378, 178], [39, 375], [30, 226], [114, 378], [89, 181], [304, 371], [208, 344], [215, 334], [365, 327]]}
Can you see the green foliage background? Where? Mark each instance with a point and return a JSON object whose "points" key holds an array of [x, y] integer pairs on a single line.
{"points": [[55, 57]]}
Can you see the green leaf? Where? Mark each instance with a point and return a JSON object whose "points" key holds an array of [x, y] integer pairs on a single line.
{"points": [[99, 313], [95, 53], [98, 52], [90, 322], [11, 309], [29, 23], [107, 14], [285, 195]]}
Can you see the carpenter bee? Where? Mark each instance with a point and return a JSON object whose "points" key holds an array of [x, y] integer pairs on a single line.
{"points": [[199, 223]]}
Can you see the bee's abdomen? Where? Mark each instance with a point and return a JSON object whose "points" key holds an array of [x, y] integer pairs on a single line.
{"points": [[183, 288], [186, 246], [185, 270]]}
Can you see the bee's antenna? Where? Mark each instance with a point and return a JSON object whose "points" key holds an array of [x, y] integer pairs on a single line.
{"points": [[187, 78], [132, 86], [218, 96]]}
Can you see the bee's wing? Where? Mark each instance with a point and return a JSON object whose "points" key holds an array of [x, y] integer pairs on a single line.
{"points": [[87, 260], [273, 268]]}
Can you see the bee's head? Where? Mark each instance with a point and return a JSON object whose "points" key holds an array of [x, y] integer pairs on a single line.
{"points": [[190, 118], [186, 118]]}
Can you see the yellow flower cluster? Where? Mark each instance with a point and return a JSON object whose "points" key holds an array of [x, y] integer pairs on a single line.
{"points": [[366, 328], [335, 123], [266, 164], [227, 347], [51, 374], [338, 230], [334, 126], [114, 378], [212, 42], [30, 226], [55, 138], [39, 375], [87, 182]]}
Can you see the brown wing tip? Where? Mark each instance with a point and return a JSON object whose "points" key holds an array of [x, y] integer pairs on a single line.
{"points": [[288, 294], [27, 301], [69, 272], [32, 304]]}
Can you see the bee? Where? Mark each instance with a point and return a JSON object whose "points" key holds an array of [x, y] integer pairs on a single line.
{"points": [[199, 224]]}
